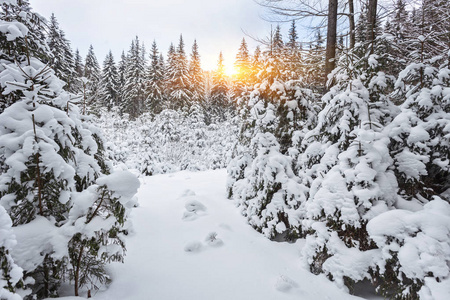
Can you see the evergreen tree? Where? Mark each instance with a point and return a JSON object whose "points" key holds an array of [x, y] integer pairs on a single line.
{"points": [[294, 56], [315, 64], [155, 81], [256, 65], [77, 84], [422, 164], [62, 57], [432, 28], [347, 165], [219, 102], [197, 79], [92, 86], [242, 67], [79, 67], [178, 81], [10, 273], [277, 45], [242, 63], [109, 82], [121, 79], [13, 44], [134, 89]]}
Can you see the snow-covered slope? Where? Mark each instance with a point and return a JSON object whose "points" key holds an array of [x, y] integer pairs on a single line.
{"points": [[191, 243]]}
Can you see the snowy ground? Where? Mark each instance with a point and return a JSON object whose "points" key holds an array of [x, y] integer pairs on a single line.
{"points": [[173, 254]]}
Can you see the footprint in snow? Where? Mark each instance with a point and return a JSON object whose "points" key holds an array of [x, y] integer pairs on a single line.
{"points": [[285, 284], [187, 193], [189, 216], [194, 206], [194, 209], [212, 240], [193, 247]]}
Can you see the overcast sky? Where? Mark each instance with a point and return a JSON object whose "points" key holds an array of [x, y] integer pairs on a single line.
{"points": [[217, 25]]}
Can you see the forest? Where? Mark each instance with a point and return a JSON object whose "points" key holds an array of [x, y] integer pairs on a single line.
{"points": [[341, 141]]}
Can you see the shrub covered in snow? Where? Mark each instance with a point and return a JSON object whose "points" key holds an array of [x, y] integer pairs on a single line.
{"points": [[67, 206], [346, 163], [340, 180], [261, 178], [420, 134], [168, 142], [10, 273], [414, 247]]}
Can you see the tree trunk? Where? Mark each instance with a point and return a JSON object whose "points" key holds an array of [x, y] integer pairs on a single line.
{"points": [[371, 22], [351, 23], [331, 38], [77, 271]]}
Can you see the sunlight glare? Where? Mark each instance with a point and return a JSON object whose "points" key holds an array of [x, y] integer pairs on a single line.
{"points": [[230, 70]]}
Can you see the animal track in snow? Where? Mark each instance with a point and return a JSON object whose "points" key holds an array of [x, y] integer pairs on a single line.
{"points": [[187, 193], [285, 284], [193, 247], [194, 206], [212, 240], [194, 209]]}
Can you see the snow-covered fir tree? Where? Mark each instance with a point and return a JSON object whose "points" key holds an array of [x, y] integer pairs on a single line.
{"points": [[92, 88], [155, 81], [109, 82], [134, 88], [178, 79], [219, 103], [121, 68], [62, 56], [13, 44], [10, 273], [197, 79]]}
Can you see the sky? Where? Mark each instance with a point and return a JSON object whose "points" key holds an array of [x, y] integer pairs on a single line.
{"points": [[218, 25]]}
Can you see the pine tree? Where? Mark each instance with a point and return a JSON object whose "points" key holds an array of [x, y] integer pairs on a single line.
{"points": [[121, 80], [155, 81], [294, 57], [70, 62], [277, 44], [315, 64], [219, 102], [256, 65], [109, 82], [79, 67], [77, 85], [242, 63], [134, 89], [178, 81], [421, 164], [92, 86], [197, 79], [13, 43], [347, 165], [10, 273], [433, 28], [242, 67], [62, 57]]}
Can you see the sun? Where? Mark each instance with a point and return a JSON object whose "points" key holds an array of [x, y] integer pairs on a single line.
{"points": [[230, 70]]}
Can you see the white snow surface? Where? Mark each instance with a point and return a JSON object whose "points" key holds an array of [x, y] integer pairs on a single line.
{"points": [[215, 256]]}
